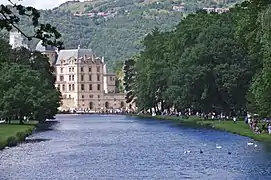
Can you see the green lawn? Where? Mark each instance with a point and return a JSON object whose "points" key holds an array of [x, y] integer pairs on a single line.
{"points": [[10, 130], [240, 127]]}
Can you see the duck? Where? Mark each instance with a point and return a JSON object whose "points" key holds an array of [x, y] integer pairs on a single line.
{"points": [[200, 151], [229, 153], [218, 147], [255, 145], [249, 143]]}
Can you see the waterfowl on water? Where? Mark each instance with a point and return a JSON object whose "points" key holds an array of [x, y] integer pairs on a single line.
{"points": [[229, 152], [255, 145], [218, 147], [201, 151], [249, 143]]}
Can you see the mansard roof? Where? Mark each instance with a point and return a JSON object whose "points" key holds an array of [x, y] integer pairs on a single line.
{"points": [[74, 53]]}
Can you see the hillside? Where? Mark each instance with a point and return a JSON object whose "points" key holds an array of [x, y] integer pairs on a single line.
{"points": [[114, 29]]}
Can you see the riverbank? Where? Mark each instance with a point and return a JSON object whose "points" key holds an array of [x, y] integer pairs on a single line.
{"points": [[14, 133], [240, 127]]}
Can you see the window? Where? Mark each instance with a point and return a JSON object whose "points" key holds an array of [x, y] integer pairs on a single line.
{"points": [[82, 69], [70, 87], [114, 99], [70, 96], [73, 87], [98, 69], [70, 77], [98, 87], [61, 70], [82, 77], [89, 77], [70, 69], [89, 69], [63, 87], [83, 96], [91, 105], [73, 69], [58, 87], [111, 78], [90, 96], [82, 87], [98, 96], [90, 87], [61, 78], [98, 77]]}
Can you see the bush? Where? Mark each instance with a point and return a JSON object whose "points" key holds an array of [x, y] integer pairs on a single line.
{"points": [[12, 141], [28, 132], [20, 136], [2, 145]]}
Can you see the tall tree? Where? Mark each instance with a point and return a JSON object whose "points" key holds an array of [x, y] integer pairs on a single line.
{"points": [[129, 78], [262, 85]]}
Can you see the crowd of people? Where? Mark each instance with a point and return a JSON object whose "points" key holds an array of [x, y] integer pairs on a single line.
{"points": [[257, 125]]}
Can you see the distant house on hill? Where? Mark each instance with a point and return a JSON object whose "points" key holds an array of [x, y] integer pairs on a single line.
{"points": [[217, 10], [178, 8]]}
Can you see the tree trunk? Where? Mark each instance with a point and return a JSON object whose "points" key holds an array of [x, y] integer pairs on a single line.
{"points": [[162, 106], [21, 117]]}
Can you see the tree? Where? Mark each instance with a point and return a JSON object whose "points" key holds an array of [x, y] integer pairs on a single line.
{"points": [[10, 17], [208, 63], [129, 78], [262, 84], [27, 85]]}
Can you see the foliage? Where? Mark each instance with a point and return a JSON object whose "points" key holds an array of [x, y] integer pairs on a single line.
{"points": [[27, 85], [129, 78], [10, 16], [262, 84], [208, 63], [15, 133], [117, 37]]}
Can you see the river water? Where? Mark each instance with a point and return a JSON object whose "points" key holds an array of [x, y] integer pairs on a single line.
{"points": [[84, 147]]}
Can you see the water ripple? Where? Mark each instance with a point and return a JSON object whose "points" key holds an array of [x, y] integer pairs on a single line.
{"points": [[120, 147]]}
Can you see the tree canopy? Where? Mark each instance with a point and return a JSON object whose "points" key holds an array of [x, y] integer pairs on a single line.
{"points": [[26, 78], [27, 85], [209, 63]]}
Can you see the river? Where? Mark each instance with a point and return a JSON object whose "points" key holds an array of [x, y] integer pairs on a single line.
{"points": [[84, 147]]}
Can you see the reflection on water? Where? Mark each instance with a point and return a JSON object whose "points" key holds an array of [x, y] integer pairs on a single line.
{"points": [[119, 147]]}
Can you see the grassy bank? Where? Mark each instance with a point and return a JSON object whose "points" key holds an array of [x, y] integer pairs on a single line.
{"points": [[12, 134], [237, 128]]}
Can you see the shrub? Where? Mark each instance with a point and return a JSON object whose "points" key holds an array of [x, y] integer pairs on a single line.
{"points": [[3, 144], [21, 136], [12, 141]]}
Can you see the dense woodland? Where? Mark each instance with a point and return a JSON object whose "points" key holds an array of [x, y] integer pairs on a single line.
{"points": [[119, 37], [209, 63]]}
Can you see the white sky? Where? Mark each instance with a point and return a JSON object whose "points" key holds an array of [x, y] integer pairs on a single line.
{"points": [[39, 4]]}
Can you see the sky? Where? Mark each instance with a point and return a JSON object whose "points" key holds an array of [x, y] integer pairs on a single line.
{"points": [[38, 4]]}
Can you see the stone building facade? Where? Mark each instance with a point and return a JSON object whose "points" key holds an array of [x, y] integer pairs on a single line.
{"points": [[83, 80]]}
